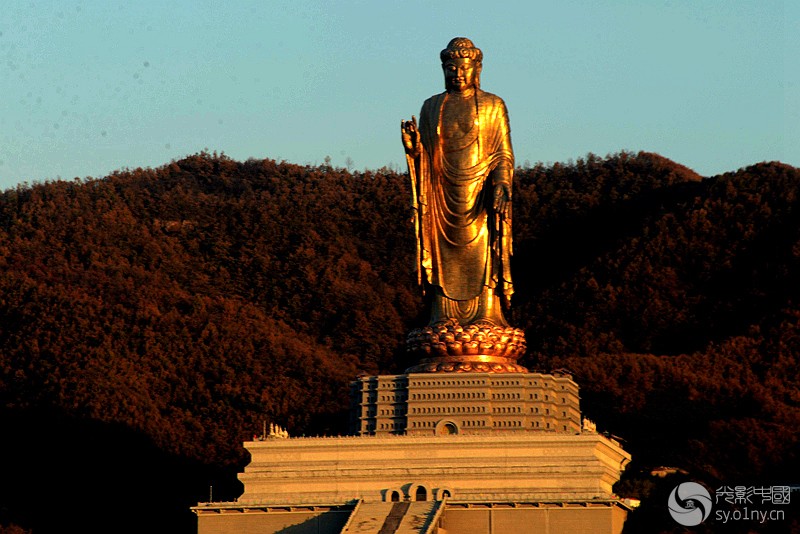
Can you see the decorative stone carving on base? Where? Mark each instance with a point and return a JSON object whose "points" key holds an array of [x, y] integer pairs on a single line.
{"points": [[450, 347]]}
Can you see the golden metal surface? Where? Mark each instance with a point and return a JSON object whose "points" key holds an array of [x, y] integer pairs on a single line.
{"points": [[448, 346], [461, 166]]}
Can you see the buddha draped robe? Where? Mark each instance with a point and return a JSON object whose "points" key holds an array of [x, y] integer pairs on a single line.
{"points": [[464, 247]]}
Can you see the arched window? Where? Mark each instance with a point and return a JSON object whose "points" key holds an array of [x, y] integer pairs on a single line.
{"points": [[422, 494]]}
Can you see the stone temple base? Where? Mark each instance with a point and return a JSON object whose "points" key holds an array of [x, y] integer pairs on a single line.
{"points": [[549, 483], [511, 468], [428, 404], [437, 453], [439, 517]]}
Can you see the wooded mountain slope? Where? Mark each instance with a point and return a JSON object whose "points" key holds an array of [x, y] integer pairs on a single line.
{"points": [[169, 312]]}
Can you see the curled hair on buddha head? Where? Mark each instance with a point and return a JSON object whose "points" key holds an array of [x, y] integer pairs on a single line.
{"points": [[461, 47]]}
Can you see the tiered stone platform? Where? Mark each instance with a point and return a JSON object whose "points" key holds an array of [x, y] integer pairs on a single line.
{"points": [[437, 452], [471, 468], [472, 475], [428, 404]]}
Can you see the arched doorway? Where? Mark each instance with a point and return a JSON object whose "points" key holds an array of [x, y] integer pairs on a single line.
{"points": [[395, 496], [421, 494], [446, 428]]}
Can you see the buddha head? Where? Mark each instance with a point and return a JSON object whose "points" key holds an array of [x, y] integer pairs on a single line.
{"points": [[461, 63]]}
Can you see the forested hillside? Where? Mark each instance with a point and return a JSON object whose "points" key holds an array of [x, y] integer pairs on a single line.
{"points": [[152, 320]]}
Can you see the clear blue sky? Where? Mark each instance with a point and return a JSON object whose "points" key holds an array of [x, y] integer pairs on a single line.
{"points": [[90, 86]]}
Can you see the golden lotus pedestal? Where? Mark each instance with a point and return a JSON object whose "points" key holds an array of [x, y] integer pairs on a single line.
{"points": [[449, 347]]}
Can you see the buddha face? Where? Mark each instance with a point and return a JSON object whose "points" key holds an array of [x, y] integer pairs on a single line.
{"points": [[461, 74]]}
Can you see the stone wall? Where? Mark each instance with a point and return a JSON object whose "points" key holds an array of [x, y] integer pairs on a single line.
{"points": [[501, 467], [472, 403]]}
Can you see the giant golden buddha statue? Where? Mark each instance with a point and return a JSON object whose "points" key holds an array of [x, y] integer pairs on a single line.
{"points": [[461, 166]]}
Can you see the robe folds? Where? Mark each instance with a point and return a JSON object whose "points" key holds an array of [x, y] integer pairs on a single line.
{"points": [[464, 247]]}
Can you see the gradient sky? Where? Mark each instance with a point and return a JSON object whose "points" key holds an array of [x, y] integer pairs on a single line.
{"points": [[87, 87]]}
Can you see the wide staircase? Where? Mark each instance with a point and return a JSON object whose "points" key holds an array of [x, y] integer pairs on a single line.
{"points": [[393, 518]]}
